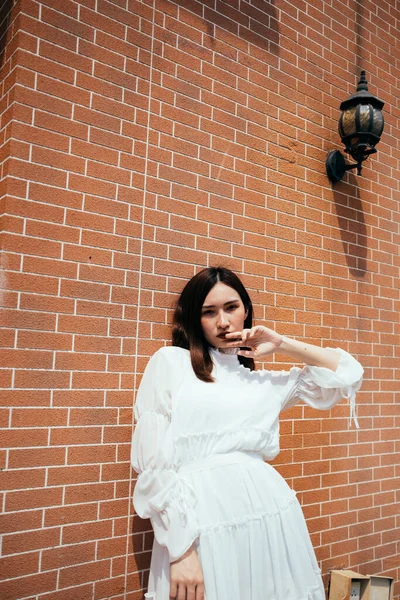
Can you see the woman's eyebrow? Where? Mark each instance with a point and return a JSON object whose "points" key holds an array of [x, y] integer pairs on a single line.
{"points": [[225, 303]]}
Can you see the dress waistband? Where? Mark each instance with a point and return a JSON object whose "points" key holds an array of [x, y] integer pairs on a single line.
{"points": [[218, 460]]}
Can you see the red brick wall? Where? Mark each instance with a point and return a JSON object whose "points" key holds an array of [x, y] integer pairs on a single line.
{"points": [[141, 142]]}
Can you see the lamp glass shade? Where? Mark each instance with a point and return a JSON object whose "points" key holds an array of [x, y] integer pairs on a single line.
{"points": [[360, 125], [347, 122], [378, 123]]}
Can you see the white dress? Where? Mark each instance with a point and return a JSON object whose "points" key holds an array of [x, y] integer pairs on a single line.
{"points": [[199, 449]]}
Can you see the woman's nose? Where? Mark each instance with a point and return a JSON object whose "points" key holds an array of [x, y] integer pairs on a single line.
{"points": [[222, 320]]}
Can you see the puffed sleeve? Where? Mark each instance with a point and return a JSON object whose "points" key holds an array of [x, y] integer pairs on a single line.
{"points": [[160, 494], [323, 388]]}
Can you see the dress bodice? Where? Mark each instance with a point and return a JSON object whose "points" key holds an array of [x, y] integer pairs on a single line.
{"points": [[238, 411]]}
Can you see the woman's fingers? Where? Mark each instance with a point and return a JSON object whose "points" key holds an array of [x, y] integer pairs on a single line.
{"points": [[200, 592], [173, 589], [245, 334], [191, 593], [188, 592], [234, 339], [181, 592], [258, 341], [246, 353]]}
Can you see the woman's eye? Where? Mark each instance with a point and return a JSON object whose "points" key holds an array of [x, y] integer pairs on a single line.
{"points": [[232, 307], [207, 313]]}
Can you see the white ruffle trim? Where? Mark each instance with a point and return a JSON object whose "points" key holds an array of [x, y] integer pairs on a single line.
{"points": [[244, 521], [182, 496], [194, 446]]}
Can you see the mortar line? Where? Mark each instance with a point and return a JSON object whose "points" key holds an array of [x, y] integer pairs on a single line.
{"points": [[130, 505]]}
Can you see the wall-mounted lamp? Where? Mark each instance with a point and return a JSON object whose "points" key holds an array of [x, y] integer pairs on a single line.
{"points": [[360, 127]]}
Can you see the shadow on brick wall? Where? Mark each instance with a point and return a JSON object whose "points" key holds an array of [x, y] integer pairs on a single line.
{"points": [[352, 226], [255, 23], [141, 547], [5, 11]]}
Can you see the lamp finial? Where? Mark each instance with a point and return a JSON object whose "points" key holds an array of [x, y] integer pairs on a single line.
{"points": [[363, 83]]}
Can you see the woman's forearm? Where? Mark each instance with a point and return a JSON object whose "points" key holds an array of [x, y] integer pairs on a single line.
{"points": [[309, 354]]}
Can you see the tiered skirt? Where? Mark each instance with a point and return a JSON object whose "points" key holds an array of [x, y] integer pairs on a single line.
{"points": [[253, 541]]}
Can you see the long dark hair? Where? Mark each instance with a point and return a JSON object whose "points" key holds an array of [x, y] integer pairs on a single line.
{"points": [[186, 327]]}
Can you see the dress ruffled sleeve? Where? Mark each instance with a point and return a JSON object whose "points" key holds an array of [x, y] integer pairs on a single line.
{"points": [[160, 494], [322, 388]]}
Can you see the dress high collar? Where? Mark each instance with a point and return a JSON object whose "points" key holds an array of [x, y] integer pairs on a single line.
{"points": [[225, 357]]}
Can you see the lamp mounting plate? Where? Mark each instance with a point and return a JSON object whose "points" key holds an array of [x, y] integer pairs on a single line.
{"points": [[335, 166]]}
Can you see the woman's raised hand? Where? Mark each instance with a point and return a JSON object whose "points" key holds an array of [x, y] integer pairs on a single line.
{"points": [[261, 341], [186, 577]]}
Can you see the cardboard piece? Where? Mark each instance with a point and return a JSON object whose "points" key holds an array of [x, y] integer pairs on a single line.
{"points": [[341, 585], [380, 588]]}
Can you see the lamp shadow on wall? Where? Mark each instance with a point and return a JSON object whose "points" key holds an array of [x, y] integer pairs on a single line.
{"points": [[353, 231], [141, 556], [257, 25]]}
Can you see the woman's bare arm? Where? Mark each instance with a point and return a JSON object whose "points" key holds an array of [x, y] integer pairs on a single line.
{"points": [[263, 342]]}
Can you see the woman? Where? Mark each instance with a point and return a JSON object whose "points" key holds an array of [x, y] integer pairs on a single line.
{"points": [[227, 526]]}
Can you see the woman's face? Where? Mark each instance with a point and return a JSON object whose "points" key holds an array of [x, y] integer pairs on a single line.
{"points": [[222, 312]]}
